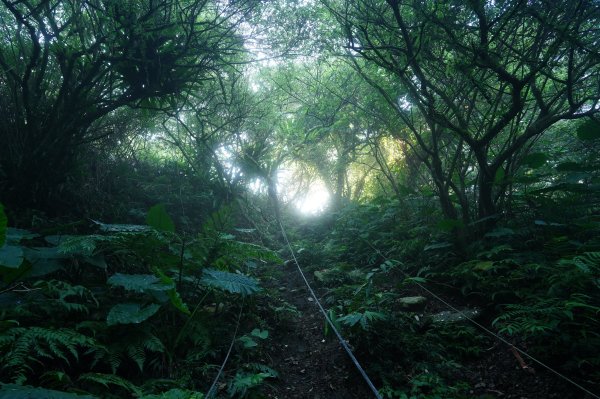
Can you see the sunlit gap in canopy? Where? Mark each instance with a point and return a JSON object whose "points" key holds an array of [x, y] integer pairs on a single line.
{"points": [[308, 197]]}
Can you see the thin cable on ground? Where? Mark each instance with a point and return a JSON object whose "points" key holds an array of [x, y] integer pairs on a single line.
{"points": [[211, 391], [333, 328], [487, 330]]}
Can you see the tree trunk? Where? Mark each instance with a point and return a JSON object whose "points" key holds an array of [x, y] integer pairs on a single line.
{"points": [[487, 210]]}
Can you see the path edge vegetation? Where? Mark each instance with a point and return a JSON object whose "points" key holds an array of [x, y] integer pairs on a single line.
{"points": [[150, 151]]}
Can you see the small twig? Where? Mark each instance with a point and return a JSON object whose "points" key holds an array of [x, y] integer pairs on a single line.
{"points": [[13, 288], [25, 289], [522, 363]]}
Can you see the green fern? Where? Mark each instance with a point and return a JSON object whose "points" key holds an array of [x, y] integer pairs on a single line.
{"points": [[545, 315], [589, 262], [230, 282], [130, 343], [20, 348], [110, 380], [240, 385], [63, 295], [364, 319], [237, 252], [258, 367], [529, 318], [79, 245]]}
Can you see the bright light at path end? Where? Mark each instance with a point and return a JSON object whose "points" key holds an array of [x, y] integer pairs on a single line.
{"points": [[314, 201]]}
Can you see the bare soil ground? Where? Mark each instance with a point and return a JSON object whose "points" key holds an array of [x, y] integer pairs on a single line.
{"points": [[313, 366], [310, 365]]}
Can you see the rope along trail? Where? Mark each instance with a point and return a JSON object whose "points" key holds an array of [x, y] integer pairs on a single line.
{"points": [[212, 389], [343, 343], [487, 330], [329, 322]]}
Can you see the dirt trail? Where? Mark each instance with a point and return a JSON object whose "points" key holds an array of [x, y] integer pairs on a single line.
{"points": [[310, 365]]}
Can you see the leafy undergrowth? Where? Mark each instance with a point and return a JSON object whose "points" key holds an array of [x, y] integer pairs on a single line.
{"points": [[143, 311], [535, 283], [128, 310]]}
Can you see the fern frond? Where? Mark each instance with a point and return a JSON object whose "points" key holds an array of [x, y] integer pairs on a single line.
{"points": [[108, 380], [588, 262], [364, 319], [76, 245], [153, 343], [114, 360], [137, 354], [259, 367], [542, 315], [25, 346], [71, 298], [133, 344]]}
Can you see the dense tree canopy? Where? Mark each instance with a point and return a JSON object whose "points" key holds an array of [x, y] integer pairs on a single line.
{"points": [[68, 69], [478, 82], [433, 166]]}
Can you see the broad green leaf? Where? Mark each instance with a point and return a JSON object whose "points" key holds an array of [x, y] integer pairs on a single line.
{"points": [[262, 334], [176, 301], [3, 225], [174, 296], [231, 282], [248, 342], [535, 160], [120, 228], [334, 320], [130, 313], [14, 235], [589, 130], [37, 254], [14, 391], [159, 219], [11, 256], [139, 282]]}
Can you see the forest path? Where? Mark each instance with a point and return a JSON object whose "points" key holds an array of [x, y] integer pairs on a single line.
{"points": [[310, 365]]}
